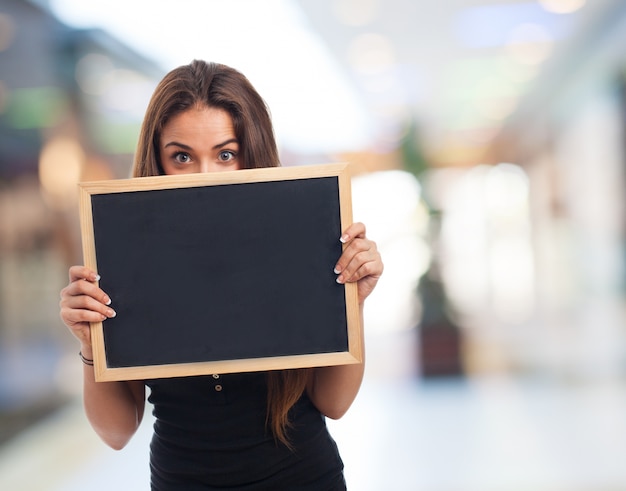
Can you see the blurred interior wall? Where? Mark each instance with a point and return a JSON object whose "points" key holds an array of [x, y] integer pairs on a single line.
{"points": [[570, 139]]}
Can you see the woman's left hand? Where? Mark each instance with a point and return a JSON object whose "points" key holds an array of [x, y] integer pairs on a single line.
{"points": [[360, 261]]}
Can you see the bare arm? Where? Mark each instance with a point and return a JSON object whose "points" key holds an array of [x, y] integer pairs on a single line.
{"points": [[333, 389], [114, 409]]}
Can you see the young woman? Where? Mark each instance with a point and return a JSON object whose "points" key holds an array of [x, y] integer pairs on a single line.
{"points": [[251, 431]]}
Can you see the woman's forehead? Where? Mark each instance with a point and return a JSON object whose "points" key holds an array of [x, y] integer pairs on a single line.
{"points": [[199, 123]]}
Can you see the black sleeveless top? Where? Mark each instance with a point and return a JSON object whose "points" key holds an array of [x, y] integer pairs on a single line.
{"points": [[210, 433]]}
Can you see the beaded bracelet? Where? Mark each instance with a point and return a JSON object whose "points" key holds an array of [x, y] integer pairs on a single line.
{"points": [[86, 361]]}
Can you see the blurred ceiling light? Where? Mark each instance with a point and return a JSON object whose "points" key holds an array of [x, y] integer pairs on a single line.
{"points": [[356, 12], [92, 72], [562, 6], [530, 44], [371, 53], [489, 24], [7, 31], [60, 166]]}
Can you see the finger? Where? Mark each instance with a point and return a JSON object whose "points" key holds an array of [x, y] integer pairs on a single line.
{"points": [[80, 297], [80, 287], [353, 231], [82, 273], [75, 317], [365, 270], [355, 247], [363, 264], [85, 302]]}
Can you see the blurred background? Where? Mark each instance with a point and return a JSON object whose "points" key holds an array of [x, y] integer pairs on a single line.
{"points": [[488, 148]]}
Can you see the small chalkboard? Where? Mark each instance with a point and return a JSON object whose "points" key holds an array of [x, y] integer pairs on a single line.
{"points": [[221, 272]]}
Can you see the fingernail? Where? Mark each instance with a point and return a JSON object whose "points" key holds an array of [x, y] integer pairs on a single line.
{"points": [[107, 301], [344, 238], [340, 280], [112, 313], [96, 277], [337, 270]]}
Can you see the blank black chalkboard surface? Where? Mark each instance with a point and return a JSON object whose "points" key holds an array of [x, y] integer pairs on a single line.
{"points": [[221, 272]]}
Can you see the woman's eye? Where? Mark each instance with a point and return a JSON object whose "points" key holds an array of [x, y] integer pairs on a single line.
{"points": [[226, 156], [182, 158]]}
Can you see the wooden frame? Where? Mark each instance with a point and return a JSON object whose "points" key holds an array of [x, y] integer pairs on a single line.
{"points": [[118, 234]]}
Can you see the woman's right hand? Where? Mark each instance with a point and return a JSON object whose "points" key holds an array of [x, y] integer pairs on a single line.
{"points": [[82, 302]]}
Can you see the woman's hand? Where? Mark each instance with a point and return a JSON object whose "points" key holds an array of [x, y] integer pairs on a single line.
{"points": [[360, 261], [82, 302]]}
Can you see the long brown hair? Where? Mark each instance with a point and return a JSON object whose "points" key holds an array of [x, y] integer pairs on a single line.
{"points": [[219, 86], [213, 85]]}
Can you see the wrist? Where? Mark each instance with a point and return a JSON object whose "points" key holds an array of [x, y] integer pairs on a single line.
{"points": [[86, 351], [85, 360]]}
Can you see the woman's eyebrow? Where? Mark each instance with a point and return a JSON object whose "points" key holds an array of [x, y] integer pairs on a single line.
{"points": [[187, 147], [223, 144], [177, 144]]}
